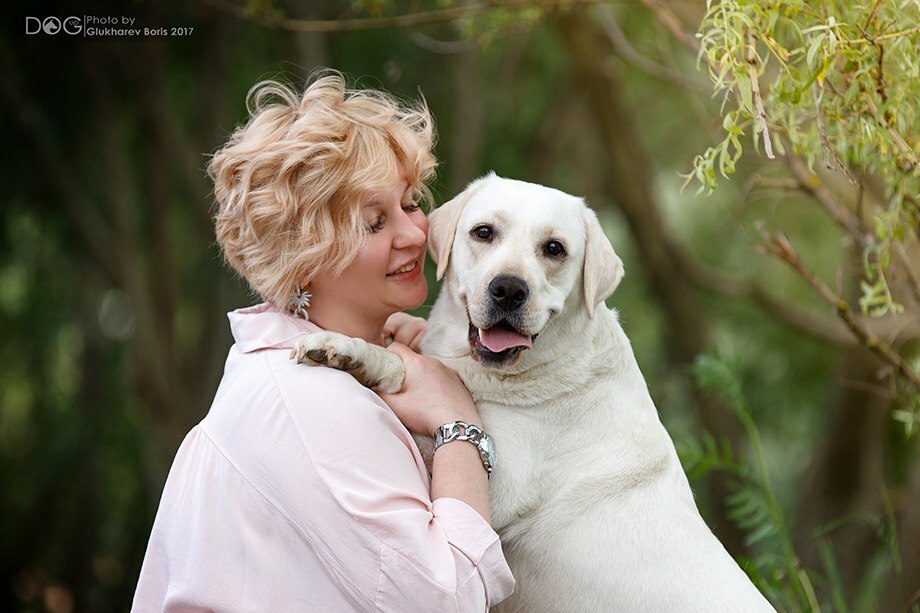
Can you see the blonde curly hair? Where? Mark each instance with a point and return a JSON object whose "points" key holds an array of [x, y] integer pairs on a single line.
{"points": [[291, 183]]}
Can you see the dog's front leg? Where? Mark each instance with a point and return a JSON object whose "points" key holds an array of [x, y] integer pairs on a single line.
{"points": [[373, 366]]}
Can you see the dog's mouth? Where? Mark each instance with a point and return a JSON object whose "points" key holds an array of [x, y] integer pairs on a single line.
{"points": [[498, 345]]}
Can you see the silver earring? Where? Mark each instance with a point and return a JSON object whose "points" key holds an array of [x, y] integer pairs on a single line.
{"points": [[300, 301]]}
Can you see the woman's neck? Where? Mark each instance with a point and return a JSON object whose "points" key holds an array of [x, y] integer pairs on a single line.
{"points": [[345, 322]]}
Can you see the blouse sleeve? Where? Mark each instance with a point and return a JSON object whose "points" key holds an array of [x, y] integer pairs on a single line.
{"points": [[433, 556]]}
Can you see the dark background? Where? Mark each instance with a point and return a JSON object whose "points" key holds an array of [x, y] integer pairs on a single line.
{"points": [[113, 294]]}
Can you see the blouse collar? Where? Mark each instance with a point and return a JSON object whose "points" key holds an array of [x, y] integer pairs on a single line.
{"points": [[264, 327]]}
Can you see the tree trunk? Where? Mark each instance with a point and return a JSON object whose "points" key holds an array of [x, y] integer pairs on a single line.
{"points": [[904, 587], [467, 130], [846, 476]]}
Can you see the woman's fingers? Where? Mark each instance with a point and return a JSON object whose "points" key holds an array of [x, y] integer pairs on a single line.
{"points": [[411, 335], [403, 328], [399, 349], [431, 395], [416, 342], [410, 331]]}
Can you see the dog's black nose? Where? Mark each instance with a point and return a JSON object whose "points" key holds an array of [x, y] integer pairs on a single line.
{"points": [[507, 292]]}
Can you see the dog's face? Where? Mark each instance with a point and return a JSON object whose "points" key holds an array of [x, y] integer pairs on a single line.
{"points": [[517, 252]]}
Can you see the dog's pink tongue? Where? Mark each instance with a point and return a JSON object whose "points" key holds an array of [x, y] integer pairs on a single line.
{"points": [[499, 338]]}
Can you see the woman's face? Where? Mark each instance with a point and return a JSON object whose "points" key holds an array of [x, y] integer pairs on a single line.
{"points": [[387, 276]]}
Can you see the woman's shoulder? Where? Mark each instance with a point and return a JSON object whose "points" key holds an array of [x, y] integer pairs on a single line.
{"points": [[272, 410], [310, 391], [267, 390], [295, 430], [334, 415], [318, 441]]}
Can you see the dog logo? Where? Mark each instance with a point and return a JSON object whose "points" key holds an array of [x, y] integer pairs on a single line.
{"points": [[53, 25]]}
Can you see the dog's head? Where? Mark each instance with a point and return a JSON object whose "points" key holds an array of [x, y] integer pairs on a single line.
{"points": [[517, 254]]}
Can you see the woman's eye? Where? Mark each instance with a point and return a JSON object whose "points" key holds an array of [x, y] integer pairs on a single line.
{"points": [[554, 249], [411, 207], [375, 226], [483, 232]]}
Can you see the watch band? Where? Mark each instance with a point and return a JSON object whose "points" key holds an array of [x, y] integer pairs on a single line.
{"points": [[462, 431]]}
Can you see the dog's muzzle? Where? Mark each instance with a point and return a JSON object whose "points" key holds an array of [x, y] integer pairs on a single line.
{"points": [[500, 334]]}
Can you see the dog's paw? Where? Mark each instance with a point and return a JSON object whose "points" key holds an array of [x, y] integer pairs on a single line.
{"points": [[329, 349], [372, 366]]}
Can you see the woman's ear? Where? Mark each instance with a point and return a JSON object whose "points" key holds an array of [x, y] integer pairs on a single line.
{"points": [[603, 268], [442, 226]]}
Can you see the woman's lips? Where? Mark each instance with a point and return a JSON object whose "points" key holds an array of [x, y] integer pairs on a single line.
{"points": [[408, 275]]}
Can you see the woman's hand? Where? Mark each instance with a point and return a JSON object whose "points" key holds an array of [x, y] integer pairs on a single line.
{"points": [[432, 394], [404, 328]]}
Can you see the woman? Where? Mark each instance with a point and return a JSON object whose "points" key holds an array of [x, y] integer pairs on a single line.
{"points": [[302, 490]]}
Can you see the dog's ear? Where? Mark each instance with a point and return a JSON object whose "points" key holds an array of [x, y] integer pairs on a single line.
{"points": [[603, 268], [443, 226]]}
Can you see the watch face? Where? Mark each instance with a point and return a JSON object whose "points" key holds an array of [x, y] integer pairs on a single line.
{"points": [[488, 447]]}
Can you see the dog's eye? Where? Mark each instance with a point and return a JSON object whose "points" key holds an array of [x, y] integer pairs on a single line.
{"points": [[554, 249], [483, 232]]}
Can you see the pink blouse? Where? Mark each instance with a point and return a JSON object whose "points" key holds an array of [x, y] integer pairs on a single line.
{"points": [[302, 491]]}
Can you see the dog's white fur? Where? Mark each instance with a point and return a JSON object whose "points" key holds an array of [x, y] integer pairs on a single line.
{"points": [[588, 495]]}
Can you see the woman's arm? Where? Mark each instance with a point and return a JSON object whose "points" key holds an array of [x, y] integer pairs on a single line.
{"points": [[433, 395], [437, 552], [457, 472]]}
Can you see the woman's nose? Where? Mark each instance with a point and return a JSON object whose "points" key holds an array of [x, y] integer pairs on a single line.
{"points": [[410, 232]]}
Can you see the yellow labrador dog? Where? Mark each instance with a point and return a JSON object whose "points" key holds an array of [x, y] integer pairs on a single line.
{"points": [[588, 495]]}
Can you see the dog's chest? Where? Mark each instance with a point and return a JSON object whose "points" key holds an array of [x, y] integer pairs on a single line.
{"points": [[535, 446], [520, 467], [546, 443]]}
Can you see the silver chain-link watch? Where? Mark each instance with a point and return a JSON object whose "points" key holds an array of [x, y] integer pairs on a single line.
{"points": [[462, 431]]}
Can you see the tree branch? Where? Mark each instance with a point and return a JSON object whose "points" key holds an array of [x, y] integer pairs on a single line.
{"points": [[872, 13], [812, 185], [808, 181], [751, 58], [910, 155], [825, 142], [819, 327], [394, 21], [890, 35], [781, 248], [619, 41], [672, 22], [913, 282], [444, 47]]}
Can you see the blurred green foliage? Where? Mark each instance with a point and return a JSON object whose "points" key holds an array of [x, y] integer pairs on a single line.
{"points": [[113, 346]]}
